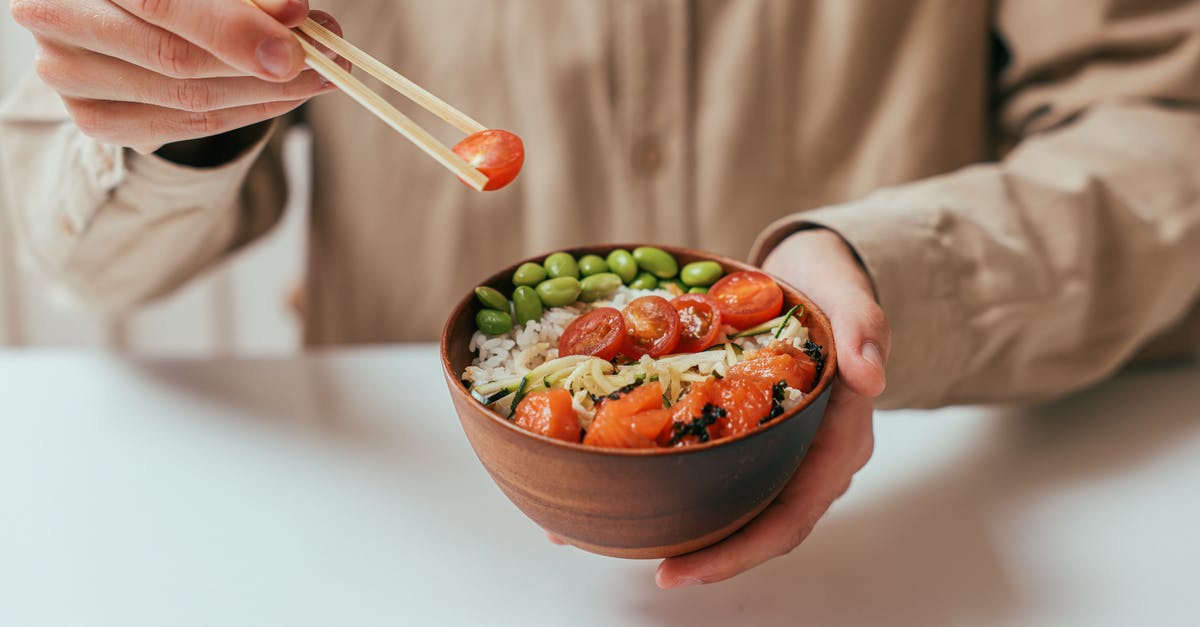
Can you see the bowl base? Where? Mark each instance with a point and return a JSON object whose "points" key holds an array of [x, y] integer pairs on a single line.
{"points": [[670, 550]]}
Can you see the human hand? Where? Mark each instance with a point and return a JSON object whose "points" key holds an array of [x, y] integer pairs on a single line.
{"points": [[821, 265], [145, 73]]}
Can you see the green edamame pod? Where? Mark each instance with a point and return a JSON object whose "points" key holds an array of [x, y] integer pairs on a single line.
{"points": [[701, 273], [559, 291], [561, 265], [656, 261], [493, 322], [644, 281], [592, 264], [491, 298], [599, 286], [530, 274], [527, 304], [622, 264]]}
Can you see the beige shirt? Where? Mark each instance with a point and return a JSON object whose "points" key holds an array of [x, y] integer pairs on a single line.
{"points": [[1005, 273]]}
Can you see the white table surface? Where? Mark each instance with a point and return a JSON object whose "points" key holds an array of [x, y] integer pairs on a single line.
{"points": [[338, 489]]}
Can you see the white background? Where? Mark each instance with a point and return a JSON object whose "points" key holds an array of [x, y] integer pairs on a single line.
{"points": [[239, 309]]}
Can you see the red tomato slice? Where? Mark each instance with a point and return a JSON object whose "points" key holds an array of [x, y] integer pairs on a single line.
{"points": [[651, 327], [599, 332], [699, 322], [747, 298], [498, 154], [550, 413]]}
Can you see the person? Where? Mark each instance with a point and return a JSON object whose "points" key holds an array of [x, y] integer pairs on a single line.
{"points": [[997, 200]]}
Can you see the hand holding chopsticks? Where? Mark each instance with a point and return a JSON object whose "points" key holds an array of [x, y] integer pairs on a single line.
{"points": [[494, 156]]}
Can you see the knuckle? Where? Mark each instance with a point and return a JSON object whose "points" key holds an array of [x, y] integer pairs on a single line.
{"points": [[195, 95], [35, 15], [200, 124], [794, 539], [50, 68], [152, 9], [174, 55], [866, 449], [874, 317], [89, 118]]}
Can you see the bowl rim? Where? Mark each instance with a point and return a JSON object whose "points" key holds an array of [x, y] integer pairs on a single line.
{"points": [[822, 386]]}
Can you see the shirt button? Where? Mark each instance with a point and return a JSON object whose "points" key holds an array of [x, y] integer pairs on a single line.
{"points": [[66, 225], [647, 155]]}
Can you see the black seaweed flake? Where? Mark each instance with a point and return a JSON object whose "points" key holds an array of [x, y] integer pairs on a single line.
{"points": [[596, 400], [778, 393], [813, 350], [697, 426]]}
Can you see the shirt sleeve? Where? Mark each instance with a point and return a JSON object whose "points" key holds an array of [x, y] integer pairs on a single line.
{"points": [[109, 228], [1041, 273]]}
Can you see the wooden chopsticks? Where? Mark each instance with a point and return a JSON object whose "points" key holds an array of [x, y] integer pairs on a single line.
{"points": [[382, 109]]}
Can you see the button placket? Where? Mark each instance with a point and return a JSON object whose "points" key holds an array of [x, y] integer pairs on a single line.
{"points": [[652, 48]]}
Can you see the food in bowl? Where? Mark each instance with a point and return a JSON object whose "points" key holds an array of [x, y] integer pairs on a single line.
{"points": [[635, 350], [646, 502]]}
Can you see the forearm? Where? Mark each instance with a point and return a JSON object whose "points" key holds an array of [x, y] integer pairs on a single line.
{"points": [[1038, 275]]}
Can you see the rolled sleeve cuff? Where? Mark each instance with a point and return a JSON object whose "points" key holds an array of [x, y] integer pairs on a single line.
{"points": [[905, 250]]}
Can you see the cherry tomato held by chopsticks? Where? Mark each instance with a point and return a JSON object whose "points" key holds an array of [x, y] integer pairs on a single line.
{"points": [[498, 154]]}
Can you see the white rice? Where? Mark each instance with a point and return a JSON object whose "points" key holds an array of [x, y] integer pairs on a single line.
{"points": [[527, 346]]}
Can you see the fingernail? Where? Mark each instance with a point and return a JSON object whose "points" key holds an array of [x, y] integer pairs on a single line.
{"points": [[870, 352], [275, 55], [687, 582], [276, 6]]}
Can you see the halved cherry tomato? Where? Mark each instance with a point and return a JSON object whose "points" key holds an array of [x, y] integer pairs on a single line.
{"points": [[651, 327], [550, 413], [632, 420], [747, 298], [699, 322], [599, 332], [745, 401], [498, 154]]}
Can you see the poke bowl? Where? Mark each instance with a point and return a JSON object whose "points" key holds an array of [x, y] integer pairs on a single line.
{"points": [[646, 413]]}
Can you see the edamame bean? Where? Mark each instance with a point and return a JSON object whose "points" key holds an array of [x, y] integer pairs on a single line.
{"points": [[530, 274], [526, 304], [701, 273], [599, 286], [559, 291], [491, 298], [694, 290], [592, 264], [561, 265], [622, 264], [644, 281], [493, 322], [656, 261]]}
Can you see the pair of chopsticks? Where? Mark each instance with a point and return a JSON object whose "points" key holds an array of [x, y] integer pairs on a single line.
{"points": [[381, 108]]}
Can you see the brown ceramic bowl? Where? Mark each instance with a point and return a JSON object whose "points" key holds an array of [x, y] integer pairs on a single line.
{"points": [[636, 503]]}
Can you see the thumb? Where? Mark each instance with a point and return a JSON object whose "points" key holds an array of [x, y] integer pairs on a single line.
{"points": [[863, 339], [823, 266], [290, 13]]}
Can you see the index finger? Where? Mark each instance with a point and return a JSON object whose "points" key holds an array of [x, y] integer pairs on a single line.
{"points": [[243, 35]]}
